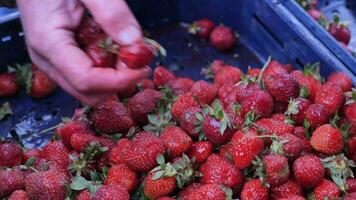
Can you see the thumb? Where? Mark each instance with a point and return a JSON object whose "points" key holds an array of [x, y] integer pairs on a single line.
{"points": [[116, 19]]}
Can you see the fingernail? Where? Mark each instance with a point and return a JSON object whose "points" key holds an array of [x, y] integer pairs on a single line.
{"points": [[129, 35]]}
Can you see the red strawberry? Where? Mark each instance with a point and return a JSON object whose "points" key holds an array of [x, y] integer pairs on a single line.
{"points": [[145, 84], [208, 191], [83, 195], [137, 55], [243, 148], [176, 141], [282, 86], [8, 85], [101, 52], [327, 140], [212, 130], [351, 185], [200, 150], [56, 153], [243, 91], [269, 126], [292, 146], [293, 197], [216, 66], [280, 107], [180, 85], [18, 195], [204, 92], [41, 84], [142, 152], [67, 129], [297, 109], [49, 184], [111, 117], [274, 67], [10, 155], [340, 32], [161, 76], [316, 14], [290, 188], [122, 175], [279, 117], [301, 134], [88, 31], [317, 115], [182, 104], [341, 79], [116, 154], [32, 153], [10, 181], [227, 75], [350, 114], [142, 104], [351, 148], [326, 190], [227, 94], [259, 101], [223, 38], [220, 171], [202, 28], [166, 198], [309, 80], [80, 141], [186, 192], [254, 72], [111, 192], [308, 170], [276, 169], [254, 189], [350, 196], [331, 96], [188, 121], [155, 188]]}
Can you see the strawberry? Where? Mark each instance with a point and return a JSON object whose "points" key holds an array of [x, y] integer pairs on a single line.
{"points": [[280, 107], [202, 28], [254, 72], [308, 79], [166, 198], [243, 91], [101, 52], [142, 151], [254, 189], [204, 92], [315, 14], [88, 31], [216, 66], [143, 103], [331, 96], [137, 55], [301, 134], [200, 150], [111, 192], [32, 153], [8, 85], [80, 141], [276, 169], [223, 38], [188, 121], [278, 117], [341, 79], [18, 195], [49, 184], [297, 109], [180, 85], [293, 197], [220, 171], [41, 84], [67, 129], [209, 191], [227, 94], [292, 146], [10, 155], [290, 188], [326, 190], [10, 181], [351, 185], [282, 86], [274, 67], [186, 192], [327, 140], [116, 155], [351, 148], [350, 196], [227, 75], [145, 84], [182, 104], [83, 195], [243, 148], [259, 101], [176, 141], [161, 76], [317, 115], [308, 170], [155, 188], [122, 175], [339, 31], [111, 117], [56, 153], [269, 126], [350, 114]]}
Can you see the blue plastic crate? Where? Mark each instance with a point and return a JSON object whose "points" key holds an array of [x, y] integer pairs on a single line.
{"points": [[266, 28], [346, 9]]}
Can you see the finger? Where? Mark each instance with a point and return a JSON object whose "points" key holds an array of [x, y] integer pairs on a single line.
{"points": [[51, 71], [116, 19]]}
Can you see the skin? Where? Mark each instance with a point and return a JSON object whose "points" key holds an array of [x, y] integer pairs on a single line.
{"points": [[49, 26]]}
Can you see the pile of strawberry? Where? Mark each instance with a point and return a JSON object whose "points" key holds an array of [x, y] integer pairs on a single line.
{"points": [[272, 133], [336, 28]]}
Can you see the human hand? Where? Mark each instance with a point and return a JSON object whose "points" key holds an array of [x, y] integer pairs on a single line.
{"points": [[49, 26]]}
